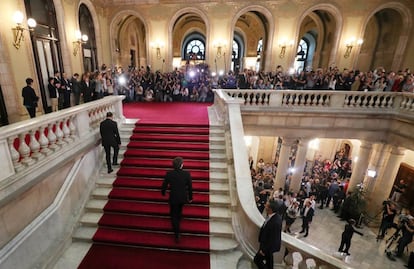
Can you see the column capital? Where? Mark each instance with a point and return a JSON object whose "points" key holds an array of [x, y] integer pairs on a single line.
{"points": [[288, 141], [366, 144], [396, 150]]}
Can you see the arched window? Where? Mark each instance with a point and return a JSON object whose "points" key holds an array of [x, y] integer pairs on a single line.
{"points": [[194, 48], [259, 53], [86, 25], [259, 47], [235, 56], [301, 55]]}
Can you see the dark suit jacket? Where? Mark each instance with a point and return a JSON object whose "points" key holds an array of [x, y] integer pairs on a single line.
{"points": [[179, 183], [309, 216], [29, 97], [86, 90], [52, 91], [109, 133], [270, 236]]}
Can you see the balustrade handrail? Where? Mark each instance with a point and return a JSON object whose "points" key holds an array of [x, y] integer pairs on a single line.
{"points": [[324, 100], [28, 142], [228, 110], [18, 127]]}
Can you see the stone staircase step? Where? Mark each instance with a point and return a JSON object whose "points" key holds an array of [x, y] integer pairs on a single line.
{"points": [[219, 243], [90, 219], [95, 205], [219, 187], [84, 233], [221, 228], [217, 212]]}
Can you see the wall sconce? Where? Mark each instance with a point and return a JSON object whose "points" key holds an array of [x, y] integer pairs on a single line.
{"points": [[350, 44], [80, 39], [19, 29], [283, 44], [157, 46], [219, 45]]}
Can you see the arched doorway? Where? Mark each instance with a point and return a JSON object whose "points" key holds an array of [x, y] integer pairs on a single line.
{"points": [[317, 33], [189, 45], [86, 25], [254, 26], [46, 44], [382, 31], [130, 41]]}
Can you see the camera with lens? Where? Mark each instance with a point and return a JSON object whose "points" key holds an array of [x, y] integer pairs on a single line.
{"points": [[385, 204], [403, 219]]}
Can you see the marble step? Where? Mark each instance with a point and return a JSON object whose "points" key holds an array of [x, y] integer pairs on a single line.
{"points": [[219, 177], [216, 212], [215, 198], [217, 227], [217, 242], [215, 187]]}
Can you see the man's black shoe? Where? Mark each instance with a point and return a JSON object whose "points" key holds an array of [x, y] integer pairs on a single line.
{"points": [[110, 171], [301, 232]]}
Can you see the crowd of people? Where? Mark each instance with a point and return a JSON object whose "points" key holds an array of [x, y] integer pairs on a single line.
{"points": [[327, 187], [194, 83]]}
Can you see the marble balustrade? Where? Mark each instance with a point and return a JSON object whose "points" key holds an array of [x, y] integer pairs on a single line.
{"points": [[228, 105], [25, 143], [384, 102]]}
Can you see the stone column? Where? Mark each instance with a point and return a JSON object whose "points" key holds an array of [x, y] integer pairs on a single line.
{"points": [[361, 166], [283, 165], [300, 162], [385, 181]]}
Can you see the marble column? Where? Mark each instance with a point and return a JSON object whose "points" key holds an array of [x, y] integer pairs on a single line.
{"points": [[385, 180], [361, 166], [300, 163], [283, 164]]}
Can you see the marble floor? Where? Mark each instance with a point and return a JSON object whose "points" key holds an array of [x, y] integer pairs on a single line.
{"points": [[366, 252]]}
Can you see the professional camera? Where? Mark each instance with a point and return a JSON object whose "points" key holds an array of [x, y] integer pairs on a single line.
{"points": [[403, 219]]}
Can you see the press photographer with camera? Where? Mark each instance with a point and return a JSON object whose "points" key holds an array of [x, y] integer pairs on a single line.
{"points": [[407, 227], [389, 212]]}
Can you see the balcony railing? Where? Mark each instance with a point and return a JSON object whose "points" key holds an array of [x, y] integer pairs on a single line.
{"points": [[229, 105], [384, 102], [27, 143]]}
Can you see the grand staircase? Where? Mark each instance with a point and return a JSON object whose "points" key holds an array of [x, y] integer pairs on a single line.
{"points": [[143, 223]]}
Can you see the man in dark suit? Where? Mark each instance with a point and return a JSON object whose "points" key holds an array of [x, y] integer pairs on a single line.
{"points": [[181, 191], [270, 236], [307, 216], [30, 98], [110, 138]]}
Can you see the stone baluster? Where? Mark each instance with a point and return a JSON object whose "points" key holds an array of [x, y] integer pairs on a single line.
{"points": [[59, 134], [34, 146], [66, 131], [92, 116], [44, 142], [52, 137], [24, 150], [72, 128], [15, 155]]}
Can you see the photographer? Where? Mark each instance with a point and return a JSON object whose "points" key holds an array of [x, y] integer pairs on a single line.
{"points": [[388, 215], [407, 235]]}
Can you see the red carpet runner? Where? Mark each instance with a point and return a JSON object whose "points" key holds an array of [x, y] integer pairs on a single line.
{"points": [[135, 230]]}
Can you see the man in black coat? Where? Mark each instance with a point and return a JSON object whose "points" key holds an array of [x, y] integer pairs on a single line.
{"points": [[181, 191], [110, 138], [307, 217], [30, 98], [270, 236]]}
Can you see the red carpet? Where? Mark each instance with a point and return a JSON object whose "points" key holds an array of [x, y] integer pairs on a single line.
{"points": [[135, 230]]}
